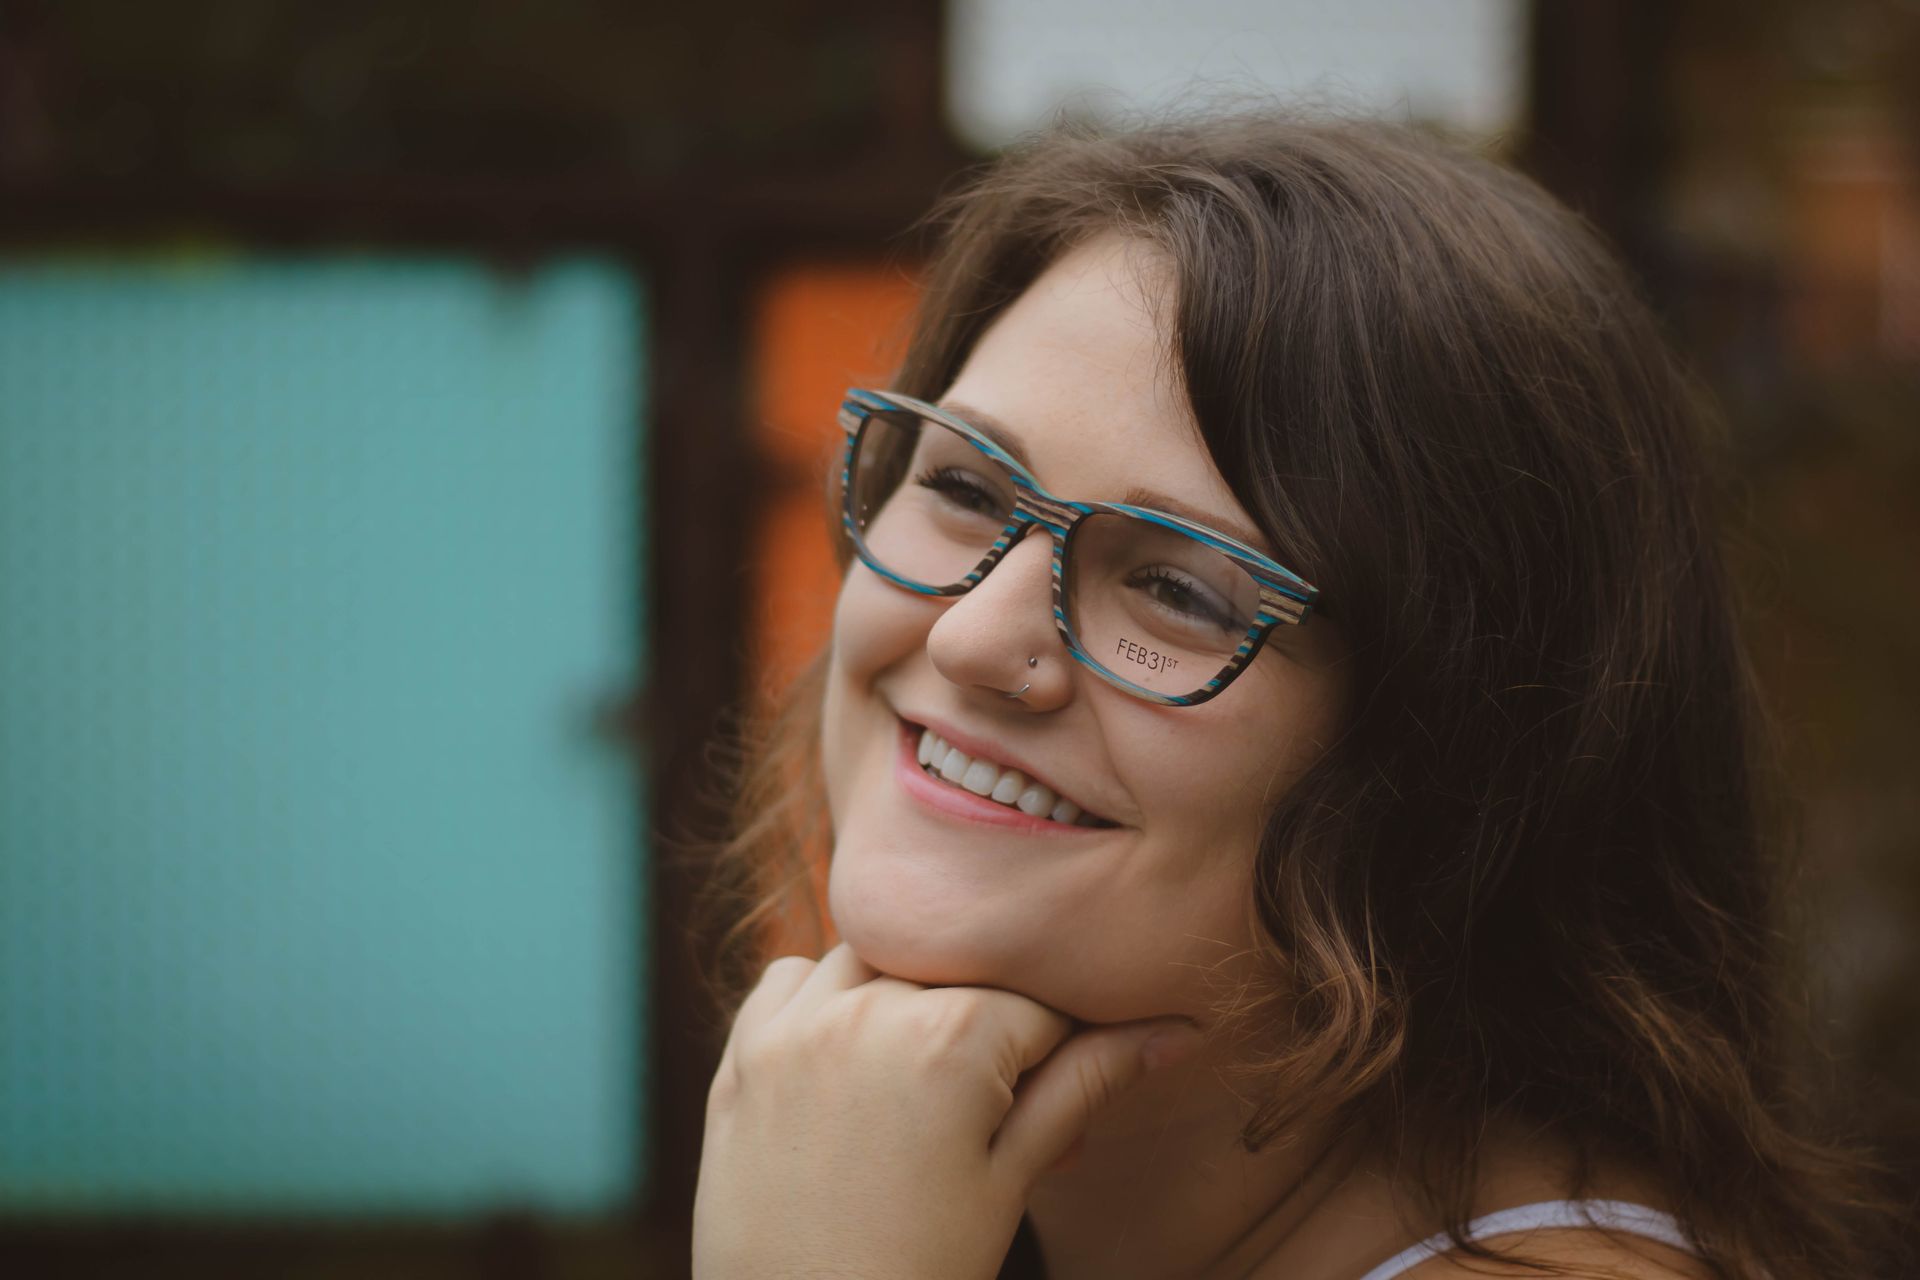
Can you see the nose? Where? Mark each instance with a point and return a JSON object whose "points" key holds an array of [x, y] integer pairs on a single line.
{"points": [[983, 639]]}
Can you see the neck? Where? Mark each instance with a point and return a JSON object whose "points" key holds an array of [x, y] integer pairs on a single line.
{"points": [[1163, 1186]]}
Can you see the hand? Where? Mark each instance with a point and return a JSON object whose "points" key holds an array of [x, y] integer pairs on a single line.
{"points": [[863, 1127]]}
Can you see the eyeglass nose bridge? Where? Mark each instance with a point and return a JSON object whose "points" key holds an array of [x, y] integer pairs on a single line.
{"points": [[1033, 508]]}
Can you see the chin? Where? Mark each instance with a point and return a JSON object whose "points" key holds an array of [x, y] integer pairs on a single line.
{"points": [[913, 923], [921, 926]]}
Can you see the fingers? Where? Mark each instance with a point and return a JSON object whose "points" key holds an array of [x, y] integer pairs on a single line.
{"points": [[1087, 1072], [1024, 1031], [790, 978], [778, 981], [839, 970]]}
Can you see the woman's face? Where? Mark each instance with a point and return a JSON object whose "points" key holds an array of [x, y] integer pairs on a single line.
{"points": [[937, 886]]}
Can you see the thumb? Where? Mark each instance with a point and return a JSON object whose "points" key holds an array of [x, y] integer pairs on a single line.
{"points": [[1058, 1099]]}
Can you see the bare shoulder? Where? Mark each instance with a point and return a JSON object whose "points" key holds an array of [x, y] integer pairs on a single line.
{"points": [[1581, 1253]]}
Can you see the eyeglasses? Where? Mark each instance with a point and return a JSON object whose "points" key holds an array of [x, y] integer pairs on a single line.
{"points": [[1166, 609]]}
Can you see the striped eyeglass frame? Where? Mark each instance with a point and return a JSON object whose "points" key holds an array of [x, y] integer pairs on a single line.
{"points": [[1285, 597]]}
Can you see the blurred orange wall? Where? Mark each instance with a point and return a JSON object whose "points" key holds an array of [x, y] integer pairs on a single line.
{"points": [[818, 329]]}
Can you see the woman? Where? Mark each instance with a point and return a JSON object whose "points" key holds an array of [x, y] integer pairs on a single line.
{"points": [[1366, 729]]}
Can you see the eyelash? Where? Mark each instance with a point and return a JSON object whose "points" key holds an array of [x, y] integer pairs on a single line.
{"points": [[935, 477], [1192, 589], [955, 476]]}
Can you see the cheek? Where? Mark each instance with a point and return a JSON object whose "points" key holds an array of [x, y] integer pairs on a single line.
{"points": [[1208, 777], [875, 626], [875, 629]]}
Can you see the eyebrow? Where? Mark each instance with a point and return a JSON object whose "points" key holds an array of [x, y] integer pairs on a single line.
{"points": [[998, 432], [1173, 506], [992, 428]]}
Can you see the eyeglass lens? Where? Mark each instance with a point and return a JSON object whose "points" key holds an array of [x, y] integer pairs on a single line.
{"points": [[1151, 605]]}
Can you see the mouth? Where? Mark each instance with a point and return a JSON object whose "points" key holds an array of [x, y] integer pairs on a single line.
{"points": [[985, 790]]}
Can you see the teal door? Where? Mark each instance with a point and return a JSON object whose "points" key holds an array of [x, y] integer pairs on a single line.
{"points": [[316, 892]]}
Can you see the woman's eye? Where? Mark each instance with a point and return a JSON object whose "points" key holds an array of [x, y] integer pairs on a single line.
{"points": [[961, 489], [1183, 596]]}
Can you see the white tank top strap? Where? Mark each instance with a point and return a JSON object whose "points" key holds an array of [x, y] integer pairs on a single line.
{"points": [[1619, 1215]]}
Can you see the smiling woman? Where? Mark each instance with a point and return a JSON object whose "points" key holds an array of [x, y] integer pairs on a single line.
{"points": [[1455, 870], [1149, 917]]}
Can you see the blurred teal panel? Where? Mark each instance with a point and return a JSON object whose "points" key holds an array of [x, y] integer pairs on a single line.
{"points": [[316, 894]]}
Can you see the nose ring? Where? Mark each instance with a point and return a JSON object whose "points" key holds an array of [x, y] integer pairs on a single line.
{"points": [[1031, 662]]}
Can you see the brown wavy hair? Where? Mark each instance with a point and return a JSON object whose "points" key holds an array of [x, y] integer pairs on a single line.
{"points": [[1540, 875]]}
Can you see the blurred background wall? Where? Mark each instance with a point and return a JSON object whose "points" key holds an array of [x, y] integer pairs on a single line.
{"points": [[411, 428]]}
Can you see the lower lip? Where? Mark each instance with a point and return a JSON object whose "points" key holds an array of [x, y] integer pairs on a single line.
{"points": [[954, 802]]}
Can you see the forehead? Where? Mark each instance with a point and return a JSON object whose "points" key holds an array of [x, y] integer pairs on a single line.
{"points": [[1080, 369]]}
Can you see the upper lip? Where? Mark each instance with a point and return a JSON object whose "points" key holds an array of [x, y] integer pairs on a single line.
{"points": [[976, 747]]}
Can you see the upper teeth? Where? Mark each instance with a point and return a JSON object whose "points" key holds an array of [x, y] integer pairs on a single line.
{"points": [[985, 778]]}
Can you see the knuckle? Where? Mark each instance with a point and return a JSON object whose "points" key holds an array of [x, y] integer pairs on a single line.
{"points": [[759, 1057], [782, 964], [844, 1019], [1096, 1083], [936, 1031], [947, 1018], [724, 1090]]}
